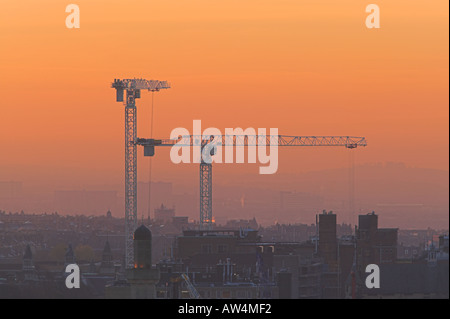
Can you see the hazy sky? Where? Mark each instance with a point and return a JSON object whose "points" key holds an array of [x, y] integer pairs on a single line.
{"points": [[307, 67]]}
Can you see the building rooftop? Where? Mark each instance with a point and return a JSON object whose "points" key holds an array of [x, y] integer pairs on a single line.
{"points": [[142, 233]]}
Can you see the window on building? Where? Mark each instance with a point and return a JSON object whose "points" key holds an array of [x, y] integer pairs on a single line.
{"points": [[304, 270], [223, 249], [206, 249]]}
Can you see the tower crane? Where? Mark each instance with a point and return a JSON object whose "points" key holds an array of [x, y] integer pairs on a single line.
{"points": [[131, 89], [149, 145]]}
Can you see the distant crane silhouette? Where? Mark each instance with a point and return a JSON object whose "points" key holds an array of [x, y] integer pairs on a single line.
{"points": [[206, 221], [130, 89]]}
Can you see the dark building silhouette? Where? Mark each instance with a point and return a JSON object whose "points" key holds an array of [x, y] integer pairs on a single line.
{"points": [[443, 243], [330, 252], [28, 259], [297, 262], [142, 242], [328, 237], [69, 257], [424, 278], [221, 263], [107, 264], [374, 245], [29, 271], [141, 280], [284, 282]]}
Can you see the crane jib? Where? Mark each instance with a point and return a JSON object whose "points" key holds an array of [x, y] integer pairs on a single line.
{"points": [[255, 140]]}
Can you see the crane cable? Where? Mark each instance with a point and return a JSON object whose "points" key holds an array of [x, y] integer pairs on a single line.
{"points": [[351, 188], [150, 164]]}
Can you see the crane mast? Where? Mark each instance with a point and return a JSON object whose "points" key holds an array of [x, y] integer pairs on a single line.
{"points": [[205, 195], [350, 142], [131, 88]]}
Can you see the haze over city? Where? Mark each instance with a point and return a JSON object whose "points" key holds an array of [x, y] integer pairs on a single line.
{"points": [[359, 211], [304, 68]]}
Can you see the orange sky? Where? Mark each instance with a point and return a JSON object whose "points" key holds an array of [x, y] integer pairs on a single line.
{"points": [[307, 67]]}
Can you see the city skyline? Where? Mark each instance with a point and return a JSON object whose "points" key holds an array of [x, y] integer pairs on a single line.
{"points": [[295, 66], [363, 88], [247, 197]]}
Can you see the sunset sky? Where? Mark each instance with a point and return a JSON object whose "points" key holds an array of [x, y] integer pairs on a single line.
{"points": [[306, 67]]}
